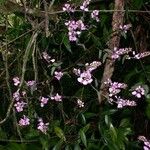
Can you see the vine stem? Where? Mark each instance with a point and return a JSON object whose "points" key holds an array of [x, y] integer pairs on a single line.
{"points": [[114, 41]]}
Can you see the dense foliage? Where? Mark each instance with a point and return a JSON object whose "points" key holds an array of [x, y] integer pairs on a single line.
{"points": [[53, 58]]}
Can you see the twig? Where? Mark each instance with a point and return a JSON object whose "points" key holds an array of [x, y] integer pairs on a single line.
{"points": [[34, 61], [5, 59], [26, 56], [19, 141], [12, 7], [46, 18], [16, 39], [23, 73]]}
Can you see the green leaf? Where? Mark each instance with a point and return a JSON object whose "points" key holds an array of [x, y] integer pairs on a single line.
{"points": [[124, 122], [77, 147], [58, 145], [148, 111], [100, 54], [137, 4], [107, 120], [15, 146], [67, 147], [2, 134], [32, 134], [45, 143], [83, 138], [83, 118], [66, 42], [59, 132], [113, 133], [89, 115], [86, 128]]}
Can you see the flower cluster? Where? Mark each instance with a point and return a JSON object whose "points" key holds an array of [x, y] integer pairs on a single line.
{"points": [[19, 103], [57, 98], [85, 5], [47, 57], [146, 142], [141, 55], [43, 127], [68, 8], [43, 101], [124, 102], [16, 81], [24, 121], [125, 28], [75, 28], [16, 96], [20, 106], [138, 91], [80, 103], [118, 52], [92, 66], [58, 75], [85, 76], [94, 15], [32, 85], [114, 87]]}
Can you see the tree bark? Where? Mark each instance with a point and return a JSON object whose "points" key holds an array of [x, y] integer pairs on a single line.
{"points": [[117, 20]]}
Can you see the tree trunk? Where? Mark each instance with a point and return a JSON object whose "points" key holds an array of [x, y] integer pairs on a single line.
{"points": [[117, 20]]}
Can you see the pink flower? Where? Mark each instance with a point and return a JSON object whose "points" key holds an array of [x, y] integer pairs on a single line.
{"points": [[95, 14], [16, 96], [118, 52], [84, 5], [85, 78], [141, 55], [80, 25], [125, 28], [24, 93], [58, 75], [75, 28], [92, 66], [138, 92], [80, 103], [32, 85], [24, 121], [57, 97], [43, 127], [77, 71], [43, 101], [67, 7], [114, 87], [124, 102], [19, 106], [47, 57], [16, 81], [146, 142]]}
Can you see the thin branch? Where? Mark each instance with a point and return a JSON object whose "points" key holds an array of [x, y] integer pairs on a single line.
{"points": [[46, 19], [19, 141], [8, 113], [23, 73], [34, 61], [12, 7], [15, 39], [103, 11], [26, 56]]}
